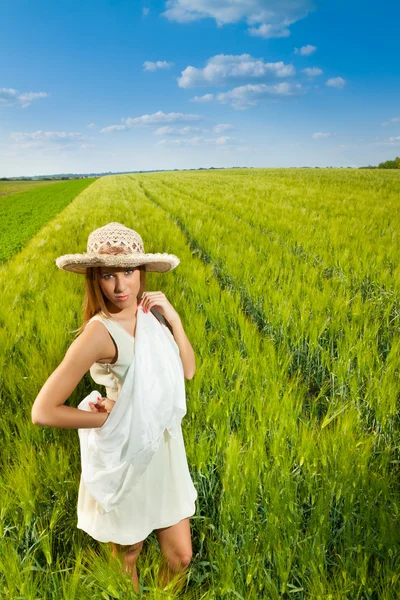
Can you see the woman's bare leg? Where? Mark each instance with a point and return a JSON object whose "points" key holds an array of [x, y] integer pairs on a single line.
{"points": [[176, 547], [130, 554]]}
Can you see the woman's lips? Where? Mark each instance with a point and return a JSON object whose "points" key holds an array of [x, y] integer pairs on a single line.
{"points": [[121, 298]]}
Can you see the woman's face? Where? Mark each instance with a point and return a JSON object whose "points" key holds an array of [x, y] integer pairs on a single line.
{"points": [[120, 285]]}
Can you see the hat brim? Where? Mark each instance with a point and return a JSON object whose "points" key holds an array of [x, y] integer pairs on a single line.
{"points": [[78, 263]]}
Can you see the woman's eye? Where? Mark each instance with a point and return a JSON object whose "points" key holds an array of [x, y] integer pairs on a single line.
{"points": [[108, 275]]}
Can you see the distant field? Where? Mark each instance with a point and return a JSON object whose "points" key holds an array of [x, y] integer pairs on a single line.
{"points": [[13, 187], [23, 214], [289, 291]]}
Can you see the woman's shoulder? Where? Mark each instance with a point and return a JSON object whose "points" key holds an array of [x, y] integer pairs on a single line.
{"points": [[96, 317]]}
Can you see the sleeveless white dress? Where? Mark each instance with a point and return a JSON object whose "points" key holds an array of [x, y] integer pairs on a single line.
{"points": [[164, 494]]}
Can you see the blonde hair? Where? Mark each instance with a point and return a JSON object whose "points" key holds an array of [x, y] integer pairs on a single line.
{"points": [[94, 300]]}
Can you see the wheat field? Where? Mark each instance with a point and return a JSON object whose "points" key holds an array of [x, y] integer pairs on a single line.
{"points": [[289, 291]]}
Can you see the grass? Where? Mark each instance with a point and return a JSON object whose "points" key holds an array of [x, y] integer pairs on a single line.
{"points": [[23, 214], [15, 186]]}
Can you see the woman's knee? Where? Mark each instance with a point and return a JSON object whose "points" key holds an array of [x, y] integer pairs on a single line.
{"points": [[131, 554], [179, 560], [134, 549], [186, 559]]}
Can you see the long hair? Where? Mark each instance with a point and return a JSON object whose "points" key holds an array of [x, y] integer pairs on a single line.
{"points": [[94, 299]]}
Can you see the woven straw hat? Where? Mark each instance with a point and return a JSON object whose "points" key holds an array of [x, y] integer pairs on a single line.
{"points": [[115, 245]]}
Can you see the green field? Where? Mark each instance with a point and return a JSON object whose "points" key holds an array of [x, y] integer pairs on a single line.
{"points": [[13, 187], [23, 214], [289, 291]]}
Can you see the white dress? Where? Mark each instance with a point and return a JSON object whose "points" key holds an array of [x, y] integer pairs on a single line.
{"points": [[164, 494]]}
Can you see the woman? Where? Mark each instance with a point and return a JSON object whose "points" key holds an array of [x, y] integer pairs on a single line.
{"points": [[116, 309]]}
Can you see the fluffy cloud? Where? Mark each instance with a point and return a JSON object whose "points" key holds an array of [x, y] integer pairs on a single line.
{"points": [[11, 97], [336, 82], [166, 130], [50, 140], [305, 50], [392, 120], [222, 127], [196, 141], [267, 18], [225, 68], [205, 98], [222, 140], [320, 134], [112, 128], [245, 96], [312, 71], [153, 119], [45, 136], [269, 31], [159, 64]]}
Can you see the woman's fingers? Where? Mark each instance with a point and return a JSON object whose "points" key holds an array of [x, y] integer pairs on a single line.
{"points": [[96, 407]]}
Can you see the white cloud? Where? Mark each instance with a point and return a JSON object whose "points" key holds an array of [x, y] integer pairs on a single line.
{"points": [[249, 95], [336, 82], [112, 128], [45, 136], [320, 134], [395, 139], [11, 97], [305, 50], [269, 31], [223, 139], [205, 98], [46, 140], [186, 130], [153, 119], [145, 11], [159, 64], [164, 130], [392, 120], [222, 127], [225, 68], [168, 130], [312, 71], [198, 140], [161, 117], [269, 18], [92, 126]]}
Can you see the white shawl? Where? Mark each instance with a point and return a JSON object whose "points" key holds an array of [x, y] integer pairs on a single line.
{"points": [[152, 398]]}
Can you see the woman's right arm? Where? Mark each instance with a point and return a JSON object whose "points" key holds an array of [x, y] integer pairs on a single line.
{"points": [[48, 407]]}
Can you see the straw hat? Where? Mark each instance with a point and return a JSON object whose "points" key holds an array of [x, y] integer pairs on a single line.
{"points": [[115, 245]]}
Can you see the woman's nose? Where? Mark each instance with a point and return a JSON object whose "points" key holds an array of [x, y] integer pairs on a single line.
{"points": [[119, 284]]}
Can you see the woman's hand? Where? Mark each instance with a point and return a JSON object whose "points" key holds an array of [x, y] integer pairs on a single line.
{"points": [[103, 405], [159, 301], [108, 404]]}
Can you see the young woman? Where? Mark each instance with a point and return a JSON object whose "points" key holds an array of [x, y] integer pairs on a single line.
{"points": [[124, 328]]}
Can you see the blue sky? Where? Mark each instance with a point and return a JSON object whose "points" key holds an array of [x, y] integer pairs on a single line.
{"points": [[115, 85]]}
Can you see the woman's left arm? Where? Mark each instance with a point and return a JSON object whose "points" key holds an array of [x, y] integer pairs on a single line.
{"points": [[161, 304], [185, 348]]}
